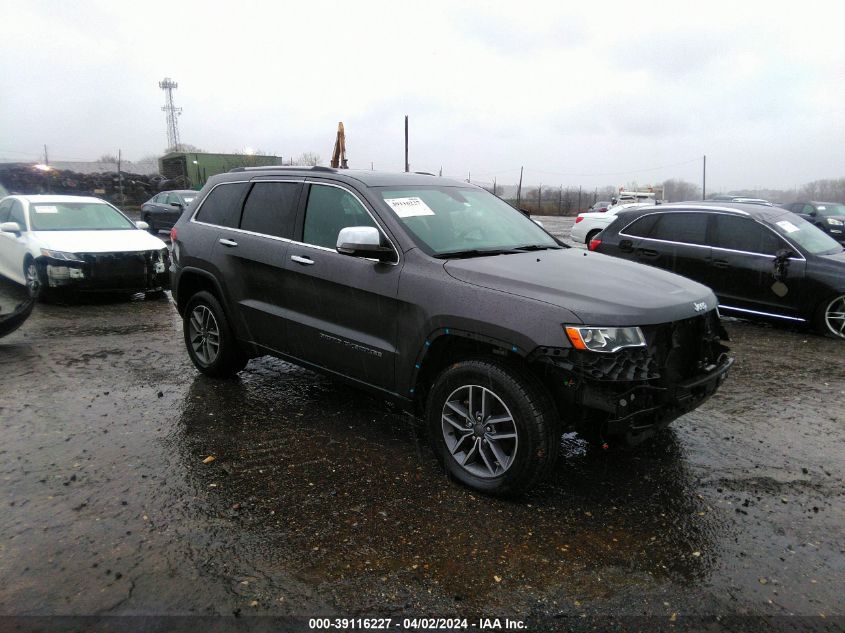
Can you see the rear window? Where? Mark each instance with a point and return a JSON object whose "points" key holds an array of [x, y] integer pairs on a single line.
{"points": [[641, 227], [271, 208], [680, 226], [222, 206]]}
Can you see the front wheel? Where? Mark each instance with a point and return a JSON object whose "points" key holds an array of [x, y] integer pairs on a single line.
{"points": [[493, 427], [830, 319], [30, 273], [209, 338]]}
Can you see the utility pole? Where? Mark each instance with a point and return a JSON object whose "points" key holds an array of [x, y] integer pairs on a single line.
{"points": [[494, 185], [519, 189], [407, 166], [540, 199], [579, 198], [560, 200], [371, 165], [46, 159], [120, 175], [440, 173], [469, 176], [704, 179]]}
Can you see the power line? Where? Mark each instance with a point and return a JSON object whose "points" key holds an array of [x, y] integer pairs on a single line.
{"points": [[607, 173]]}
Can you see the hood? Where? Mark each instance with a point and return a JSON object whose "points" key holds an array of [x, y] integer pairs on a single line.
{"points": [[99, 241], [599, 289]]}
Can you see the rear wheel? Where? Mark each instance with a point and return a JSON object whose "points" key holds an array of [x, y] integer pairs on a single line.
{"points": [[209, 339], [591, 235], [493, 427], [830, 319]]}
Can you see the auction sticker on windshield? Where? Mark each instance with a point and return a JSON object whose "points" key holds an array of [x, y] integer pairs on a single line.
{"points": [[45, 209], [787, 226], [409, 207]]}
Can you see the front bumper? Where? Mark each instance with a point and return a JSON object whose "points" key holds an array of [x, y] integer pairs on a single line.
{"points": [[635, 392], [134, 271]]}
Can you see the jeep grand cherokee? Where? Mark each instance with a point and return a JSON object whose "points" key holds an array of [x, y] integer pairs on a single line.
{"points": [[442, 297]]}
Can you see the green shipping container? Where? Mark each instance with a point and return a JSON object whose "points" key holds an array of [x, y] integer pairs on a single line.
{"points": [[191, 169]]}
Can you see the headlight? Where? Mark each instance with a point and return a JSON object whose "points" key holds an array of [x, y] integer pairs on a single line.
{"points": [[70, 257], [604, 339], [835, 222]]}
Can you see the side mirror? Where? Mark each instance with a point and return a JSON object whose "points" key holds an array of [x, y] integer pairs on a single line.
{"points": [[142, 225], [10, 227], [781, 265], [783, 254], [363, 241]]}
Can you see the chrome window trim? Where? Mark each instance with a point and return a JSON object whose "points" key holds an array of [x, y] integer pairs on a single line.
{"points": [[768, 314], [799, 258], [288, 240]]}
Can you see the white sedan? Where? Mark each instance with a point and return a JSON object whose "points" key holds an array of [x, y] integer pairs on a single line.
{"points": [[78, 243], [588, 225]]}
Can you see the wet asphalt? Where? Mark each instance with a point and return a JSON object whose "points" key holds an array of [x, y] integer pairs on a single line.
{"points": [[323, 500]]}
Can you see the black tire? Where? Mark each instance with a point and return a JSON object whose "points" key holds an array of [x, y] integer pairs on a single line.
{"points": [[831, 327], [228, 359], [34, 285], [591, 235], [532, 413]]}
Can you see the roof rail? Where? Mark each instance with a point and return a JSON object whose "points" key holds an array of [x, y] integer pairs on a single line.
{"points": [[297, 167]]}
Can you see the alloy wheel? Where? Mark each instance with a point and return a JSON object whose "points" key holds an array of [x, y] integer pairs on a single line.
{"points": [[32, 283], [204, 334], [834, 317], [479, 431]]}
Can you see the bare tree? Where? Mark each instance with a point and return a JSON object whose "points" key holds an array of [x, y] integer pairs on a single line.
{"points": [[307, 158], [108, 158], [677, 190]]}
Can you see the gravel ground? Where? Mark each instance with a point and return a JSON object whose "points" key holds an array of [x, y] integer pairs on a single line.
{"points": [[323, 500]]}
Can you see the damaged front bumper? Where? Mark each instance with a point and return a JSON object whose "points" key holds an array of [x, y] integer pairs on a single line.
{"points": [[631, 394], [134, 271]]}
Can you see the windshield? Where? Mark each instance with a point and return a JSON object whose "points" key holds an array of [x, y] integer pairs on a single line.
{"points": [[831, 209], [76, 216], [453, 220], [809, 237]]}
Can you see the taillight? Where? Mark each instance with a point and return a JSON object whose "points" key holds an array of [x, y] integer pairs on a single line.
{"points": [[173, 234], [578, 219], [594, 244]]}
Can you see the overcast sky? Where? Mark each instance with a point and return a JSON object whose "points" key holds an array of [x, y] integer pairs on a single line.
{"points": [[603, 94]]}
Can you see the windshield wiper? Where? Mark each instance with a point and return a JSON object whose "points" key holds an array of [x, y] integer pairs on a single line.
{"points": [[474, 252], [538, 247]]}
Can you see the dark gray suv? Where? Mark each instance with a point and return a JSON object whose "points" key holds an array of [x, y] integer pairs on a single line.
{"points": [[441, 297]]}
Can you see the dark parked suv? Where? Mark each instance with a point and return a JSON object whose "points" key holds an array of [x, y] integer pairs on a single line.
{"points": [[828, 216], [761, 261], [441, 297]]}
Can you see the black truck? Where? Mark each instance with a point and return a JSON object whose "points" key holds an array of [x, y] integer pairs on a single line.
{"points": [[440, 296]]}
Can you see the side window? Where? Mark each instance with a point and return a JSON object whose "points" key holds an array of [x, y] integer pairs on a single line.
{"points": [[5, 208], [742, 234], [809, 209], [172, 198], [689, 228], [160, 198], [222, 206], [641, 227], [16, 214], [329, 210], [271, 208]]}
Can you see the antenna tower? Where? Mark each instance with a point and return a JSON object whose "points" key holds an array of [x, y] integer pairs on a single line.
{"points": [[172, 113]]}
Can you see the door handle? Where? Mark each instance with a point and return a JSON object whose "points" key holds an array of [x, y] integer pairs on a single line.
{"points": [[305, 261], [229, 243], [626, 246], [647, 252], [720, 263]]}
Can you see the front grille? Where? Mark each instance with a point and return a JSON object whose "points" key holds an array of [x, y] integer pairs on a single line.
{"points": [[120, 270]]}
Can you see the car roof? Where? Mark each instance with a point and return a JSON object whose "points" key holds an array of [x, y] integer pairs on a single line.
{"points": [[739, 208], [366, 177], [42, 199]]}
